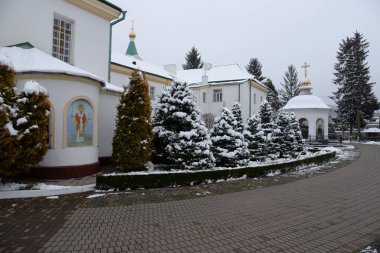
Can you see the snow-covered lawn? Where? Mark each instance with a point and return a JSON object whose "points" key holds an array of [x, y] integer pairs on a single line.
{"points": [[372, 142], [39, 186]]}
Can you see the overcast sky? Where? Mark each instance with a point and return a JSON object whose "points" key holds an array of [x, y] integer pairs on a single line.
{"points": [[277, 32]]}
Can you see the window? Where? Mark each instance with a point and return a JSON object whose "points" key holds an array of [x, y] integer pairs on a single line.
{"points": [[152, 92], [261, 99], [254, 98], [218, 95], [204, 97], [62, 39]]}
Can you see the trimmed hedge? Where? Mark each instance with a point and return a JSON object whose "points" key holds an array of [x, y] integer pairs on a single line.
{"points": [[123, 182]]}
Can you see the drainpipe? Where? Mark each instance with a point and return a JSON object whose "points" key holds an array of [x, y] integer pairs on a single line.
{"points": [[110, 45], [239, 93]]}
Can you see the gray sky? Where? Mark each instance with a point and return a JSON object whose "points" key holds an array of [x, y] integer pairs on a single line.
{"points": [[277, 32]]}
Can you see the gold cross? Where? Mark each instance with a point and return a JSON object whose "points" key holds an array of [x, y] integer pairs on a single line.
{"points": [[305, 66], [133, 23]]}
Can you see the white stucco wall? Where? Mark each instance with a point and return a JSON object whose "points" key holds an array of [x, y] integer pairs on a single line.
{"points": [[312, 115], [32, 21], [60, 93], [107, 122]]}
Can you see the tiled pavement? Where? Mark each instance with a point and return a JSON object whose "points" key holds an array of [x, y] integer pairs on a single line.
{"points": [[335, 212]]}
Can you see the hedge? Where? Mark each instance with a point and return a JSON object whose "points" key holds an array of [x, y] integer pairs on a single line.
{"points": [[123, 182]]}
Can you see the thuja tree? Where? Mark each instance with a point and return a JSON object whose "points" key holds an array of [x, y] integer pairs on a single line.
{"points": [[179, 132], [8, 135], [298, 145], [285, 136], [228, 145], [32, 125], [132, 140], [269, 129], [236, 111]]}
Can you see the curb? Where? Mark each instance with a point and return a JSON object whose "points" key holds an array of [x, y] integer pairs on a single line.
{"points": [[45, 193]]}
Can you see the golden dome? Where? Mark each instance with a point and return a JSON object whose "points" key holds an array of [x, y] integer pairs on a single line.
{"points": [[132, 34], [305, 82]]}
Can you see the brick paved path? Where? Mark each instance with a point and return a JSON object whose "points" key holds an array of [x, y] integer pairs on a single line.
{"points": [[337, 212]]}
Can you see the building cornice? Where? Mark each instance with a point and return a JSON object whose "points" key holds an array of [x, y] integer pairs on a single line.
{"points": [[100, 8]]}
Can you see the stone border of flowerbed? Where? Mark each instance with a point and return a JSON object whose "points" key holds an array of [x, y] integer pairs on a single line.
{"points": [[155, 180]]}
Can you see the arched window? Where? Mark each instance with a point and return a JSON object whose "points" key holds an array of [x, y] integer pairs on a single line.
{"points": [[320, 129], [79, 123], [304, 126]]}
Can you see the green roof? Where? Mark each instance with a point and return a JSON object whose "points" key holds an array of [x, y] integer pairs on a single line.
{"points": [[132, 50], [24, 45]]}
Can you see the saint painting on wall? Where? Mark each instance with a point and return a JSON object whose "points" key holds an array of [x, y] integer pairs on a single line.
{"points": [[79, 124]]}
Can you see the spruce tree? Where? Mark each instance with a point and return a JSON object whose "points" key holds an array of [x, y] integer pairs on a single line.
{"points": [[354, 96], [179, 130], [8, 135], [228, 145], [236, 111], [285, 135], [268, 127], [193, 60], [132, 140], [272, 95], [255, 139], [32, 124], [254, 68], [290, 85], [298, 145]]}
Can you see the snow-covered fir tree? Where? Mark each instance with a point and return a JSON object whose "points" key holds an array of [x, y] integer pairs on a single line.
{"points": [[32, 124], [255, 139], [272, 95], [285, 137], [179, 130], [354, 96], [228, 145], [193, 60], [298, 146], [236, 111], [132, 141], [291, 85], [268, 127], [8, 134]]}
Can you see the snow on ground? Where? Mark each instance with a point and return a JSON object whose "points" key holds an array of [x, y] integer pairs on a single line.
{"points": [[53, 197], [369, 249], [372, 142], [95, 195], [273, 173], [40, 186]]}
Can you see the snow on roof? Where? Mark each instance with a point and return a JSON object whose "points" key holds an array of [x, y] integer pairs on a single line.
{"points": [[223, 73], [133, 63], [305, 102], [371, 130], [34, 60], [112, 87]]}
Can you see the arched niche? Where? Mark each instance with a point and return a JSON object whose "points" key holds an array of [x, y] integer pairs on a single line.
{"points": [[79, 123], [304, 127], [319, 129]]}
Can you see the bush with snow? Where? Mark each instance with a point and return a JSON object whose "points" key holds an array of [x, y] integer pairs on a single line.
{"points": [[269, 128], [254, 136], [228, 145], [132, 141], [179, 134], [236, 111], [23, 124]]}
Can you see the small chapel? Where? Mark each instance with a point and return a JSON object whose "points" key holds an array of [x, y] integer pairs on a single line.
{"points": [[311, 111]]}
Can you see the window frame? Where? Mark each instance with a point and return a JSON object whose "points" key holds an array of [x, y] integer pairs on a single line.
{"points": [[62, 49], [217, 95], [152, 92]]}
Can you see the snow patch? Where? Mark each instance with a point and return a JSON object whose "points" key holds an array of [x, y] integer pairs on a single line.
{"points": [[53, 197], [34, 88], [95, 195]]}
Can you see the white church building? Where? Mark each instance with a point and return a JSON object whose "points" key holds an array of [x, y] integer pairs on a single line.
{"points": [[65, 46]]}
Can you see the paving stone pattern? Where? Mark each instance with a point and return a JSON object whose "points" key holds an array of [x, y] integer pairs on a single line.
{"points": [[334, 212]]}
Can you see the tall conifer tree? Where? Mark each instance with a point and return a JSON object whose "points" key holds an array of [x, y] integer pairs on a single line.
{"points": [[132, 140], [272, 95], [254, 68], [290, 85], [354, 96], [193, 60]]}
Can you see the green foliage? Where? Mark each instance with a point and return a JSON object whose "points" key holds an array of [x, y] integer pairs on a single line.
{"points": [[272, 95], [354, 95], [8, 136], [291, 85], [193, 60], [123, 182], [255, 138], [132, 140], [254, 68], [32, 125]]}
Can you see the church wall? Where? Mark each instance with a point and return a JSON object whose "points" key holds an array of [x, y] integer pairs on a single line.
{"points": [[312, 115], [61, 92], [107, 121], [32, 21]]}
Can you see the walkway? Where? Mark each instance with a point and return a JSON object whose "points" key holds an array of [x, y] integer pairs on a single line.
{"points": [[337, 211], [334, 212]]}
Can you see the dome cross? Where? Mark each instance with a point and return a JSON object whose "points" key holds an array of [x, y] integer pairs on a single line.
{"points": [[305, 66]]}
